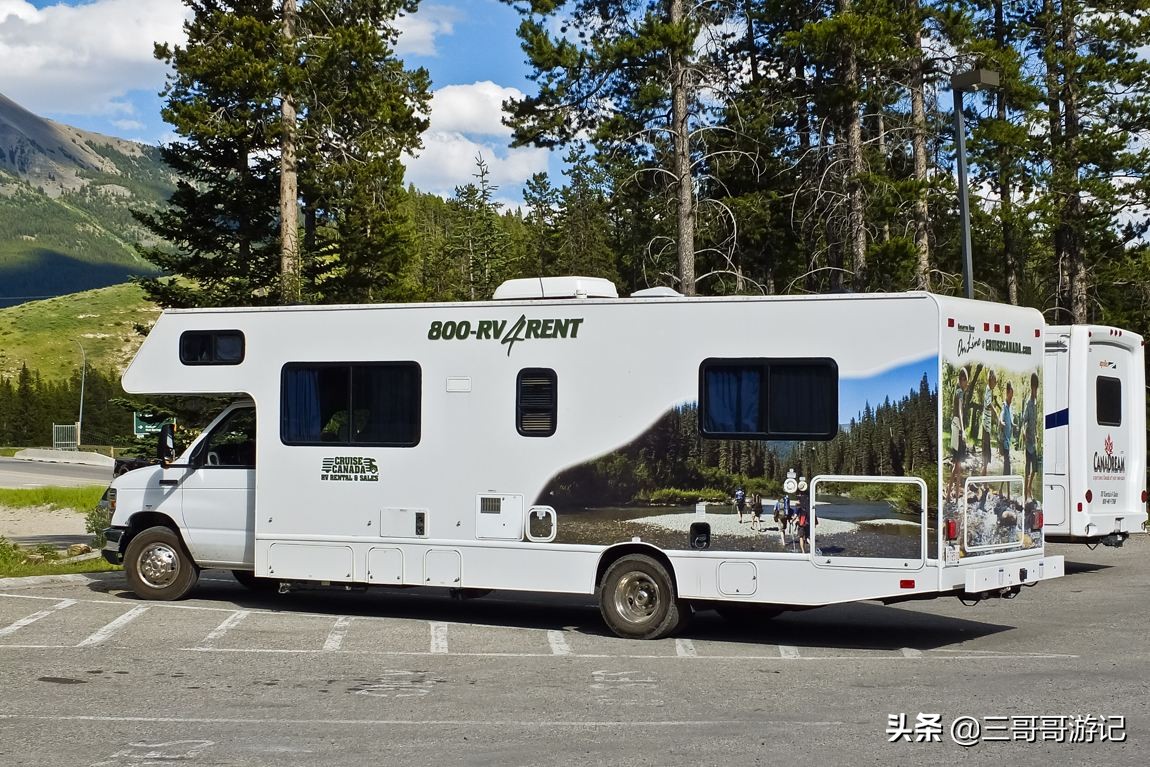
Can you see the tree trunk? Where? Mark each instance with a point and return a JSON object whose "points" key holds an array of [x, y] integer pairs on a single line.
{"points": [[856, 223], [1057, 159], [1010, 255], [289, 193], [684, 188], [1072, 218], [918, 121]]}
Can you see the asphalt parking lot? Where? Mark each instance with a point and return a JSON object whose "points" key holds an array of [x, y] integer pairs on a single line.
{"points": [[92, 676]]}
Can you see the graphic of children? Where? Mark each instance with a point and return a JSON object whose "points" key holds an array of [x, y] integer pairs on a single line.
{"points": [[1006, 425], [1029, 426], [988, 420]]}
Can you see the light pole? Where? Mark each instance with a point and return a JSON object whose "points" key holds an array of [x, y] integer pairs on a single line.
{"points": [[83, 375], [970, 80]]}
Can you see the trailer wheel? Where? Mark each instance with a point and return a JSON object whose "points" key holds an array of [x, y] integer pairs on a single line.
{"points": [[158, 567], [638, 600], [249, 580]]}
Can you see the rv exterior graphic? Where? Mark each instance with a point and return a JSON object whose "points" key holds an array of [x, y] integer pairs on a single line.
{"points": [[483, 445], [1094, 467]]}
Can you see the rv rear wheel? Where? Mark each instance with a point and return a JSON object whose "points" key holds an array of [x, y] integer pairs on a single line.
{"points": [[158, 567], [638, 600]]}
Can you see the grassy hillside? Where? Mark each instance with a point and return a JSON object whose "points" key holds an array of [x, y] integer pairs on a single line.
{"points": [[44, 334]]}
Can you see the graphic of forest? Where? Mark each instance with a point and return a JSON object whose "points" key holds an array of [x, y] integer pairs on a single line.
{"points": [[672, 464]]}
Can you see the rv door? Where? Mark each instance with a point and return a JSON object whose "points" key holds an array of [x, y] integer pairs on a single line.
{"points": [[219, 492], [1114, 481]]}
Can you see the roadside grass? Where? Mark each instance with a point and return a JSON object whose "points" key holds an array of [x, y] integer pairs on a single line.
{"points": [[79, 498], [20, 561], [8, 452]]}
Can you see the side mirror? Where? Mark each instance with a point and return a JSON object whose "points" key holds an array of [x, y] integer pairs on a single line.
{"points": [[166, 449]]}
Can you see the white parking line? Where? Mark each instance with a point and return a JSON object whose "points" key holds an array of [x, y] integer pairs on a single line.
{"points": [[558, 642], [789, 652], [685, 648], [334, 639], [438, 637], [13, 628], [229, 623], [105, 633]]}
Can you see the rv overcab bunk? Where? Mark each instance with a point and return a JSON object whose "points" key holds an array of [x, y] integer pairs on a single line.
{"points": [[517, 444], [1094, 466]]}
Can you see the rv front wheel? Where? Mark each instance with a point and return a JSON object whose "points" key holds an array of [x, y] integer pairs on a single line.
{"points": [[638, 601], [158, 567]]}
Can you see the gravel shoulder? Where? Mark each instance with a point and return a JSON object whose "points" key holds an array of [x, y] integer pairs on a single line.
{"points": [[39, 521]]}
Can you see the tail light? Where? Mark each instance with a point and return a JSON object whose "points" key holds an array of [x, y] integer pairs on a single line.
{"points": [[1143, 496], [950, 529], [1089, 496], [1038, 519]]}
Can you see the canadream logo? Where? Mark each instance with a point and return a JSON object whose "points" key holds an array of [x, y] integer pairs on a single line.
{"points": [[1107, 461], [497, 330]]}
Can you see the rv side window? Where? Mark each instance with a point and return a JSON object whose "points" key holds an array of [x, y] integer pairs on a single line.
{"points": [[769, 399], [370, 404], [212, 347], [536, 402], [1109, 401]]}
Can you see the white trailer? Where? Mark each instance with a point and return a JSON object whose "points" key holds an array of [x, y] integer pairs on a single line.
{"points": [[1094, 468], [492, 445]]}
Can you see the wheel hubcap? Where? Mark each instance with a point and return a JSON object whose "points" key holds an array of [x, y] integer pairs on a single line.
{"points": [[158, 565], [636, 597]]}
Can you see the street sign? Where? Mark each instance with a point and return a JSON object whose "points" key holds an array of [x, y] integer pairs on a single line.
{"points": [[145, 428]]}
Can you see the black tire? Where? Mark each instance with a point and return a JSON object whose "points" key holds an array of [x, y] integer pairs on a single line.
{"points": [[158, 566], [746, 615], [249, 580], [638, 601]]}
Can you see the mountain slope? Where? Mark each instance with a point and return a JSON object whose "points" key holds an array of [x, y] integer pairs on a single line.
{"points": [[48, 335], [65, 206]]}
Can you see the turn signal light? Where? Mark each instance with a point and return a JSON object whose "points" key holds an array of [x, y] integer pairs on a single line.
{"points": [[1143, 496], [950, 528]]}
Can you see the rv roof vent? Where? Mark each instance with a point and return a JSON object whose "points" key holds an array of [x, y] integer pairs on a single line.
{"points": [[661, 291], [556, 287]]}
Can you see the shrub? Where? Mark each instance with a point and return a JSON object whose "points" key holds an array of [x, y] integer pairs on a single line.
{"points": [[96, 520]]}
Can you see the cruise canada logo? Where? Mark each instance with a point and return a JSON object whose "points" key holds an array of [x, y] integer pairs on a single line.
{"points": [[1108, 463], [507, 334], [349, 469]]}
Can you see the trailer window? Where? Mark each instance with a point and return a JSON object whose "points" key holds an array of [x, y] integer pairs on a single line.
{"points": [[1108, 397], [212, 347], [769, 398], [369, 404], [536, 402]]}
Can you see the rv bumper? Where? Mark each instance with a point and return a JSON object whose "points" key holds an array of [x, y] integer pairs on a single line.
{"points": [[1014, 574], [111, 550]]}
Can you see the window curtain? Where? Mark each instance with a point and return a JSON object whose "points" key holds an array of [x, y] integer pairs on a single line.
{"points": [[733, 396], [301, 407]]}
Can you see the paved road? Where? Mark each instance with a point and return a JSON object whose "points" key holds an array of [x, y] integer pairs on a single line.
{"points": [[17, 474], [93, 676]]}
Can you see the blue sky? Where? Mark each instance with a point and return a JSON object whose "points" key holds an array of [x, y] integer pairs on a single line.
{"points": [[896, 383], [89, 63]]}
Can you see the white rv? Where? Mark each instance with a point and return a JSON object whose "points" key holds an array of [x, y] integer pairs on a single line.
{"points": [[507, 444], [1094, 467]]}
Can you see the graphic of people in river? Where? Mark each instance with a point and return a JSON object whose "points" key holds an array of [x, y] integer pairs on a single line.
{"points": [[990, 511]]}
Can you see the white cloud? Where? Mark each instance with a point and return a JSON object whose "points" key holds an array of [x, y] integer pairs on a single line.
{"points": [[475, 109], [83, 59], [129, 125], [418, 32], [448, 161]]}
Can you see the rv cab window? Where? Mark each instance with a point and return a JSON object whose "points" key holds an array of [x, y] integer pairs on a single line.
{"points": [[232, 444]]}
